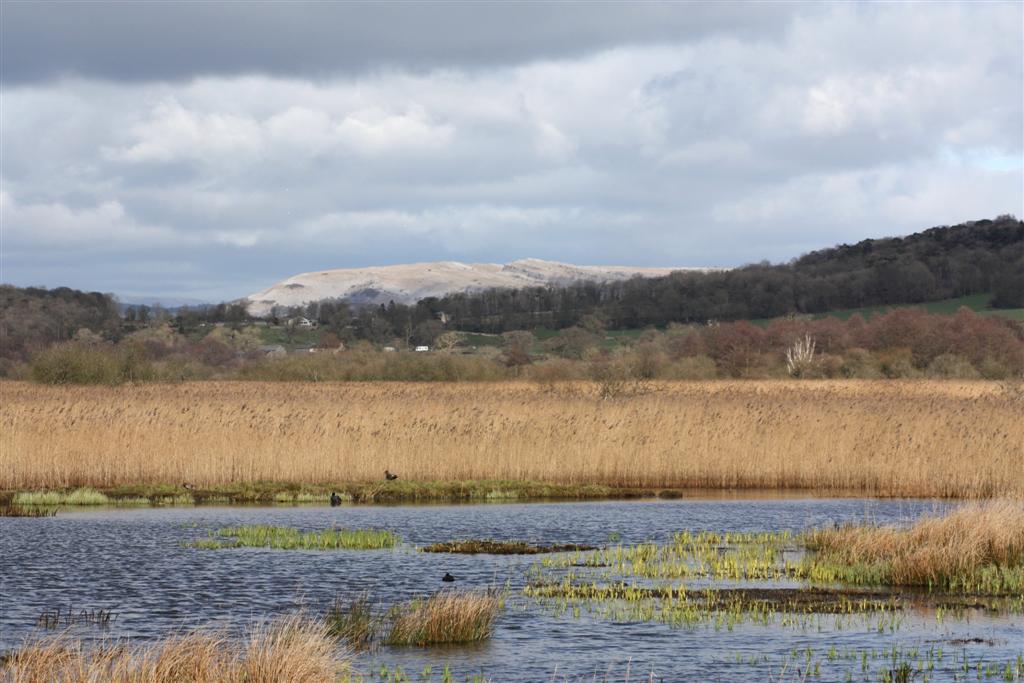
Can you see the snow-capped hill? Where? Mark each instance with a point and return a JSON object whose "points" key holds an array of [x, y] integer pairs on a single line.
{"points": [[409, 283]]}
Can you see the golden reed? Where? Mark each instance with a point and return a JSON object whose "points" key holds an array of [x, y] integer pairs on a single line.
{"points": [[288, 650], [914, 438]]}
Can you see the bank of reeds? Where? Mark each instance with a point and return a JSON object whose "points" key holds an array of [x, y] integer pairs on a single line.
{"points": [[919, 438], [445, 617], [975, 548], [290, 649]]}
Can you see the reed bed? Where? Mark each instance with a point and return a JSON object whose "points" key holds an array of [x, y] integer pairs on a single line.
{"points": [[445, 617], [914, 438], [292, 649], [976, 548]]}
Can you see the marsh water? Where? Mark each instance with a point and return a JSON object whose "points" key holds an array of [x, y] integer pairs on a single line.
{"points": [[134, 561]]}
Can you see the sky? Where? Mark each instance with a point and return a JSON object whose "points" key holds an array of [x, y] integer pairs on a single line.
{"points": [[201, 151]]}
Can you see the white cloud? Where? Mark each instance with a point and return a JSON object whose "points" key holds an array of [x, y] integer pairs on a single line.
{"points": [[657, 153], [96, 227], [174, 133]]}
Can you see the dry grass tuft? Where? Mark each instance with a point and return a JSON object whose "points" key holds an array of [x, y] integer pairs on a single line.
{"points": [[963, 547], [445, 617], [914, 438], [290, 649]]}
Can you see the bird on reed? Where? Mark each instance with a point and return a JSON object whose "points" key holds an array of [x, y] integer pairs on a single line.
{"points": [[389, 476]]}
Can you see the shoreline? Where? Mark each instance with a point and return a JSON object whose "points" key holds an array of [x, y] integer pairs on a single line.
{"points": [[427, 492]]}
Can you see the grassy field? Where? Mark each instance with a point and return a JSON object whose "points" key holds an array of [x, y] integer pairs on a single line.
{"points": [[920, 438], [979, 303]]}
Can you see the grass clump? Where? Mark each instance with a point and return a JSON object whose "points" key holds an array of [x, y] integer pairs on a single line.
{"points": [[289, 649], [353, 621], [81, 496], [288, 538], [491, 547], [445, 617], [31, 511], [976, 548]]}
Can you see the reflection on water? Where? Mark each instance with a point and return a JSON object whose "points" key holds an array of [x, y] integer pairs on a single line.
{"points": [[132, 561]]}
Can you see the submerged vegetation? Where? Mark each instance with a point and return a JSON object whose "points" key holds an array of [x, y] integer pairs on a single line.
{"points": [[971, 558], [290, 649], [490, 547], [58, 617], [236, 441], [976, 549], [286, 538]]}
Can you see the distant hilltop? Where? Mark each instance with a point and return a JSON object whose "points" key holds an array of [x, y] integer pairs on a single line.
{"points": [[408, 283]]}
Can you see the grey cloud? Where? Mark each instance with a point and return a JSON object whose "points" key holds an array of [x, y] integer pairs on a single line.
{"points": [[170, 40], [713, 146]]}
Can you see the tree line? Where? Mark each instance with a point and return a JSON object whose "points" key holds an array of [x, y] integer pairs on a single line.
{"points": [[984, 256]]}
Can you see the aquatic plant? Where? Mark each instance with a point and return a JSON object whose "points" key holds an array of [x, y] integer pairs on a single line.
{"points": [[27, 511], [81, 496], [287, 538], [976, 548], [58, 617], [353, 621], [445, 617], [295, 648], [492, 547], [928, 438]]}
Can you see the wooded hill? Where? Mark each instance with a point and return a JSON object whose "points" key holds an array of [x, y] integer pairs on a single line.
{"points": [[984, 256]]}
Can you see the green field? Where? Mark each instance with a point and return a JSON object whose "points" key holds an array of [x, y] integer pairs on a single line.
{"points": [[976, 302], [293, 339], [612, 338]]}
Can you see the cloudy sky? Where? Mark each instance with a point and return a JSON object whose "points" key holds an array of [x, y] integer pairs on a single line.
{"points": [[203, 150]]}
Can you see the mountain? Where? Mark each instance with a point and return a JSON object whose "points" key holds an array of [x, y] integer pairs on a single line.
{"points": [[408, 283]]}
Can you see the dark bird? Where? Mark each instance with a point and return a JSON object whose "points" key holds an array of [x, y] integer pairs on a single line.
{"points": [[447, 578], [389, 476], [188, 487], [335, 499]]}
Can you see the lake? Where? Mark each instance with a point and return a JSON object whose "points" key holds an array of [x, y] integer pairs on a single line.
{"points": [[134, 561]]}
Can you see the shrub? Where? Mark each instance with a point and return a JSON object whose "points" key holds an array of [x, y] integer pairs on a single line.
{"points": [[950, 366], [693, 367], [897, 364], [91, 364], [860, 364]]}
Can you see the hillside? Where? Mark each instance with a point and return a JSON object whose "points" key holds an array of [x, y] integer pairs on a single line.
{"points": [[409, 283], [979, 257]]}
